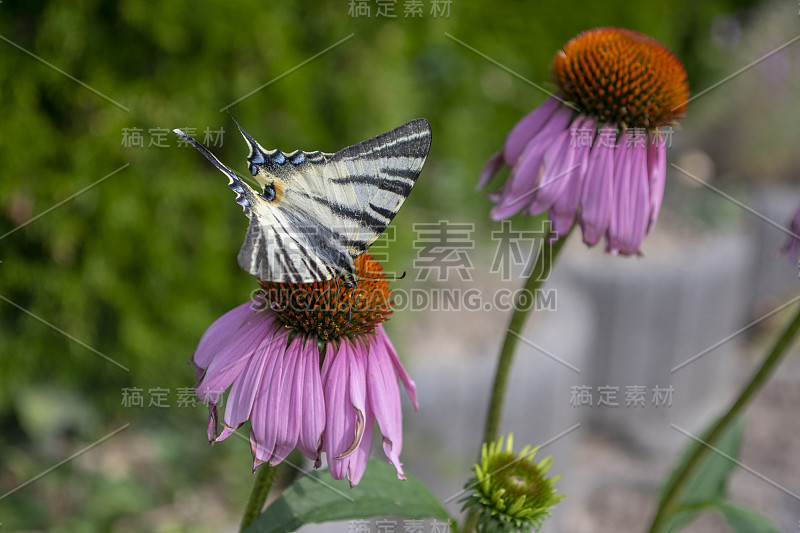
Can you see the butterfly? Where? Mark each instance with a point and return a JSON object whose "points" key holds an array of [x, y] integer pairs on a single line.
{"points": [[317, 212]]}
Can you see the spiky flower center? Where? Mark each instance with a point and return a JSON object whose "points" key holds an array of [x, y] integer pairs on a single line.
{"points": [[515, 477], [622, 77], [328, 309], [511, 493]]}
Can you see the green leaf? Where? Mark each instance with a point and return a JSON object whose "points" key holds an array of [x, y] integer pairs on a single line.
{"points": [[739, 519], [709, 481], [743, 520], [317, 498]]}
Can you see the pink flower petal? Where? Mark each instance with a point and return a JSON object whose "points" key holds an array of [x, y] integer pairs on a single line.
{"points": [[384, 399], [657, 172], [313, 402], [490, 169], [212, 422], [526, 129], [263, 426], [631, 196], [598, 191], [357, 462], [220, 334], [358, 376], [565, 207], [354, 462], [411, 388], [344, 425], [557, 169], [247, 385], [229, 362], [288, 413], [327, 362], [524, 178]]}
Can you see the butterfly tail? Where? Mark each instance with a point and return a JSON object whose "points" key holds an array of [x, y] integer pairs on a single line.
{"points": [[245, 196]]}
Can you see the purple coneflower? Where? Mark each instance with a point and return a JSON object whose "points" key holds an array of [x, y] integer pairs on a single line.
{"points": [[594, 150], [312, 368]]}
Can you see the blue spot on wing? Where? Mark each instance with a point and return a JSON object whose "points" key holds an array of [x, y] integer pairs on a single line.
{"points": [[278, 157], [297, 158], [258, 156]]}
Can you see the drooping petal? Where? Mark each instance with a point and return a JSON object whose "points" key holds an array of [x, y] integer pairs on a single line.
{"points": [[556, 172], [598, 188], [358, 459], [358, 378], [220, 334], [287, 415], [523, 180], [631, 209], [353, 461], [313, 402], [490, 169], [525, 174], [657, 172], [245, 388], [229, 362], [384, 400], [565, 208], [411, 388], [526, 129], [264, 429], [212, 422], [344, 425]]}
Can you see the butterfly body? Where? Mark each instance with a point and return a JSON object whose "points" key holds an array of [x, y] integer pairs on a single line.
{"points": [[316, 212]]}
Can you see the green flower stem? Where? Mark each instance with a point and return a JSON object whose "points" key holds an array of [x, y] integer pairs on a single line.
{"points": [[670, 500], [265, 476], [541, 271], [539, 274], [471, 521]]}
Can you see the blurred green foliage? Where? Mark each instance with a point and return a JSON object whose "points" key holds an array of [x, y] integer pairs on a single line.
{"points": [[138, 265]]}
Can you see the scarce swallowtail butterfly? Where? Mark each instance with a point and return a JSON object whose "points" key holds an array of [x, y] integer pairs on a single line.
{"points": [[316, 212]]}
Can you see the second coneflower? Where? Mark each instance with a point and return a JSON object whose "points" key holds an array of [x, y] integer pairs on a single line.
{"points": [[595, 151], [311, 367]]}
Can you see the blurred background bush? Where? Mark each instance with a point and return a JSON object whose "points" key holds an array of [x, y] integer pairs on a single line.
{"points": [[139, 257]]}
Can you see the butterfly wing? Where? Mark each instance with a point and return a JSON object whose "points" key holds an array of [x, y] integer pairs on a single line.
{"points": [[338, 204], [368, 182], [319, 211], [279, 245]]}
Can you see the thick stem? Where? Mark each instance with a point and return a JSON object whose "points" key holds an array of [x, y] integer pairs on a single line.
{"points": [[541, 271], [670, 500], [265, 476]]}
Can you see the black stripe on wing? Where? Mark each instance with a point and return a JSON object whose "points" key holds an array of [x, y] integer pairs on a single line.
{"points": [[364, 218], [412, 139], [398, 156], [401, 186]]}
